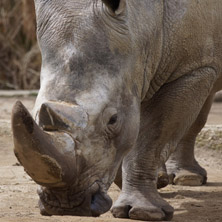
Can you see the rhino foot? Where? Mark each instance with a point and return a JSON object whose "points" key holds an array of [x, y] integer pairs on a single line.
{"points": [[139, 207], [188, 176]]}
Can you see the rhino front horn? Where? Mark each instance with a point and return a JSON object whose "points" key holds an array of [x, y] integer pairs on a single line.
{"points": [[49, 158]]}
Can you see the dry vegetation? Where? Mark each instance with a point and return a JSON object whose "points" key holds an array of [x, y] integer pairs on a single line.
{"points": [[19, 54]]}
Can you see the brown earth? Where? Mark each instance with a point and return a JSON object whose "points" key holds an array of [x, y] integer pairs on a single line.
{"points": [[18, 198]]}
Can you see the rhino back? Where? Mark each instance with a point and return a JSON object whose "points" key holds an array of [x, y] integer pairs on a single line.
{"points": [[191, 39]]}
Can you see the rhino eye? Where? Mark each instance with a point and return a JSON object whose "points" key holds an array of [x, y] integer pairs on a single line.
{"points": [[113, 120]]}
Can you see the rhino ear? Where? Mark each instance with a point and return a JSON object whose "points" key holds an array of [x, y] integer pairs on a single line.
{"points": [[116, 6]]}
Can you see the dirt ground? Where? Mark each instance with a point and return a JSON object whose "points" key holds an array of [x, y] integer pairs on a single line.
{"points": [[18, 198]]}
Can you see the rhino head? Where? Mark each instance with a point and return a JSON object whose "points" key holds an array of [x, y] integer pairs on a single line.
{"points": [[86, 116]]}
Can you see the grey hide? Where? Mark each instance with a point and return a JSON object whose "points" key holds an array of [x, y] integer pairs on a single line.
{"points": [[124, 84]]}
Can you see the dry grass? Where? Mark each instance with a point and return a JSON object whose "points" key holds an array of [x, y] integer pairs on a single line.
{"points": [[19, 54]]}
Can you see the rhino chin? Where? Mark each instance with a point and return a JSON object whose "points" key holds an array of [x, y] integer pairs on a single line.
{"points": [[63, 202]]}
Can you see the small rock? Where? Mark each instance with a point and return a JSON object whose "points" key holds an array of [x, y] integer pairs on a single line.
{"points": [[179, 197], [16, 164]]}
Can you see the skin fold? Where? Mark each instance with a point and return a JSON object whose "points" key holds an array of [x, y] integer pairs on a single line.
{"points": [[126, 86]]}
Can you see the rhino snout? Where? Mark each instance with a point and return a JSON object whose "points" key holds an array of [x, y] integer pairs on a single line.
{"points": [[51, 159]]}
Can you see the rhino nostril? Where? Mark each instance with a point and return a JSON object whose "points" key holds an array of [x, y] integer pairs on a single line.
{"points": [[100, 203], [93, 199]]}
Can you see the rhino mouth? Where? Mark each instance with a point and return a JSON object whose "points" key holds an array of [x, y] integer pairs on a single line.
{"points": [[92, 202]]}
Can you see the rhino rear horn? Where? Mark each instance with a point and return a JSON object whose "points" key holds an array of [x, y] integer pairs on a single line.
{"points": [[40, 153]]}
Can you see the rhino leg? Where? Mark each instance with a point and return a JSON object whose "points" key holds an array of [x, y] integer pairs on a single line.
{"points": [[164, 120], [162, 181], [182, 167]]}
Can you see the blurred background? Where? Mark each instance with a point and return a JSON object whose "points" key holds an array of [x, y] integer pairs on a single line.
{"points": [[20, 58]]}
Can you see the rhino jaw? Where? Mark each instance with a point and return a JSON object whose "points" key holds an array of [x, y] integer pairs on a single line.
{"points": [[40, 153]]}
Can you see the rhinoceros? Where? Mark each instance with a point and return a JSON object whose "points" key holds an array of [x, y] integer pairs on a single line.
{"points": [[126, 85]]}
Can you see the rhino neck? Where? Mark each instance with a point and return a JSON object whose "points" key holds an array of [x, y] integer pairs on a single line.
{"points": [[147, 33]]}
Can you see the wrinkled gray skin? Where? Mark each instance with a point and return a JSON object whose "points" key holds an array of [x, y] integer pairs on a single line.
{"points": [[122, 82]]}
